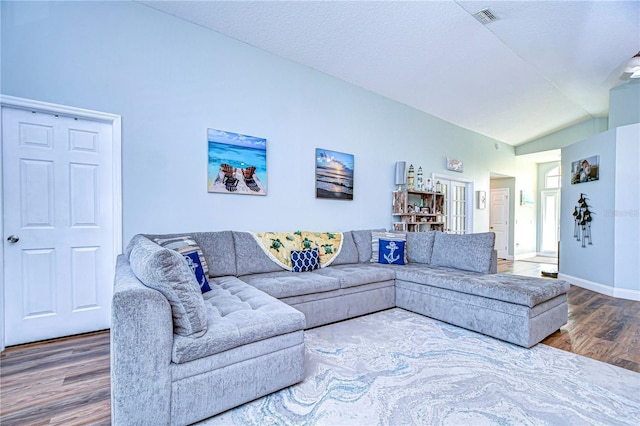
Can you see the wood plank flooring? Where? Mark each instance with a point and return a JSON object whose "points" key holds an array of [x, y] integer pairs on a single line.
{"points": [[66, 381]]}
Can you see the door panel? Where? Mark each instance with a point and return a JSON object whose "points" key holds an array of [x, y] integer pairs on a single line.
{"points": [[58, 199], [499, 220]]}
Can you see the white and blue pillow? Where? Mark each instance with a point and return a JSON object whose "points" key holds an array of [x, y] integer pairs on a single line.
{"points": [[192, 253], [391, 251], [305, 260], [381, 247]]}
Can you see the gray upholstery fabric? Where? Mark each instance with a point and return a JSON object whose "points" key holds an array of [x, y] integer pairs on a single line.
{"points": [[527, 291], [286, 284], [346, 303], [473, 313], [469, 252], [356, 275], [166, 271], [348, 252], [420, 246], [197, 397], [236, 355], [141, 329], [362, 238], [218, 248], [250, 258], [237, 314]]}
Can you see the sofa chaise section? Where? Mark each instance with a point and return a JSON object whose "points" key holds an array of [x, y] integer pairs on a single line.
{"points": [[251, 345]]}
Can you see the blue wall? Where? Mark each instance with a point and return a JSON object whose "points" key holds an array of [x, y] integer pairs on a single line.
{"points": [[171, 80]]}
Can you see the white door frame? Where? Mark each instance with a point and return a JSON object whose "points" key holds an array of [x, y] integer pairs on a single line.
{"points": [[116, 124], [468, 195], [556, 192]]}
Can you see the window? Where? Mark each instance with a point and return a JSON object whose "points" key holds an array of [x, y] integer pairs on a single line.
{"points": [[552, 178]]}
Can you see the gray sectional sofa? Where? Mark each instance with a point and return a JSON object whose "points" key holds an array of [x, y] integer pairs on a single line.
{"points": [[179, 356]]}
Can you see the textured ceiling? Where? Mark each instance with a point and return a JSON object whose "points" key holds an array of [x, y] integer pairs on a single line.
{"points": [[543, 66]]}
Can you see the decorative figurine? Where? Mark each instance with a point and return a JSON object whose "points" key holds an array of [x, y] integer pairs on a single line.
{"points": [[410, 184], [429, 187], [438, 186], [420, 179]]}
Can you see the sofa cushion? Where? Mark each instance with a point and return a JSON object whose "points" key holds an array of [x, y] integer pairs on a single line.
{"points": [[469, 252], [348, 252], [388, 236], [237, 315], [391, 251], [167, 271], [420, 246], [305, 260], [285, 284], [527, 291], [362, 239], [192, 253], [356, 274], [218, 248], [250, 257]]}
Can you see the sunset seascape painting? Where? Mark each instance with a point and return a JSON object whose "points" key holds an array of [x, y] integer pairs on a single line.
{"points": [[237, 163], [334, 175]]}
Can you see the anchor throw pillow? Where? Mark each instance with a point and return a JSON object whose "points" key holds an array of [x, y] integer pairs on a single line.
{"points": [[192, 253], [381, 247], [305, 260], [391, 252]]}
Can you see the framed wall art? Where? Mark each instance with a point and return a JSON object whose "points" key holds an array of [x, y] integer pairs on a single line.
{"points": [[334, 175], [455, 165], [237, 163], [585, 170]]}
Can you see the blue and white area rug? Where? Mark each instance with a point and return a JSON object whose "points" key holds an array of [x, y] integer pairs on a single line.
{"points": [[400, 368]]}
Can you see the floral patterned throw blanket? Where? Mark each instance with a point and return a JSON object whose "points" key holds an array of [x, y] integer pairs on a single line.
{"points": [[279, 245]]}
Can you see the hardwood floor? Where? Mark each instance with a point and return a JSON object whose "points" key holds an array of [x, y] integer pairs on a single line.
{"points": [[66, 381], [57, 382]]}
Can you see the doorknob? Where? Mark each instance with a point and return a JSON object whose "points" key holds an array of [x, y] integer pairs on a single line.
{"points": [[13, 239]]}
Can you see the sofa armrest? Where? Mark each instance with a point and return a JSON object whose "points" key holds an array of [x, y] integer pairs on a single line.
{"points": [[493, 268], [141, 345]]}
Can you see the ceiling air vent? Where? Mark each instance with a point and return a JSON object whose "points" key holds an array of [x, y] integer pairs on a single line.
{"points": [[485, 16]]}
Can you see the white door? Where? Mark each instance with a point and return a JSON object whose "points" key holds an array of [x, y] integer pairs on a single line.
{"points": [[499, 220], [456, 211], [58, 225], [550, 222]]}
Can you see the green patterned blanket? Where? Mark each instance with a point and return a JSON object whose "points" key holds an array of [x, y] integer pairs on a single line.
{"points": [[279, 245]]}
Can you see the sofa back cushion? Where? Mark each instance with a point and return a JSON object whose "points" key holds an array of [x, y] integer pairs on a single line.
{"points": [[420, 246], [218, 248], [167, 271], [348, 251], [362, 239], [250, 257], [469, 252]]}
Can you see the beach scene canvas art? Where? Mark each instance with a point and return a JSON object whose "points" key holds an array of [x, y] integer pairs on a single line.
{"points": [[334, 175], [237, 163]]}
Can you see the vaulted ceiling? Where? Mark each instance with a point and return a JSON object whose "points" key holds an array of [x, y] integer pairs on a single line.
{"points": [[540, 67]]}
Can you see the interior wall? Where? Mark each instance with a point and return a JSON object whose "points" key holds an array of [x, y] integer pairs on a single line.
{"points": [[624, 104], [170, 80], [564, 137], [627, 213], [593, 265]]}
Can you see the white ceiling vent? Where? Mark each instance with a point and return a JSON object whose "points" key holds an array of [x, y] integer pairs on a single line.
{"points": [[485, 16]]}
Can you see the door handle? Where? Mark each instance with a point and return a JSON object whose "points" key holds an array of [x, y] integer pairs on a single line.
{"points": [[13, 239]]}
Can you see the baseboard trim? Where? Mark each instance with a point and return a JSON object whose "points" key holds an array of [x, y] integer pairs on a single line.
{"points": [[620, 293]]}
